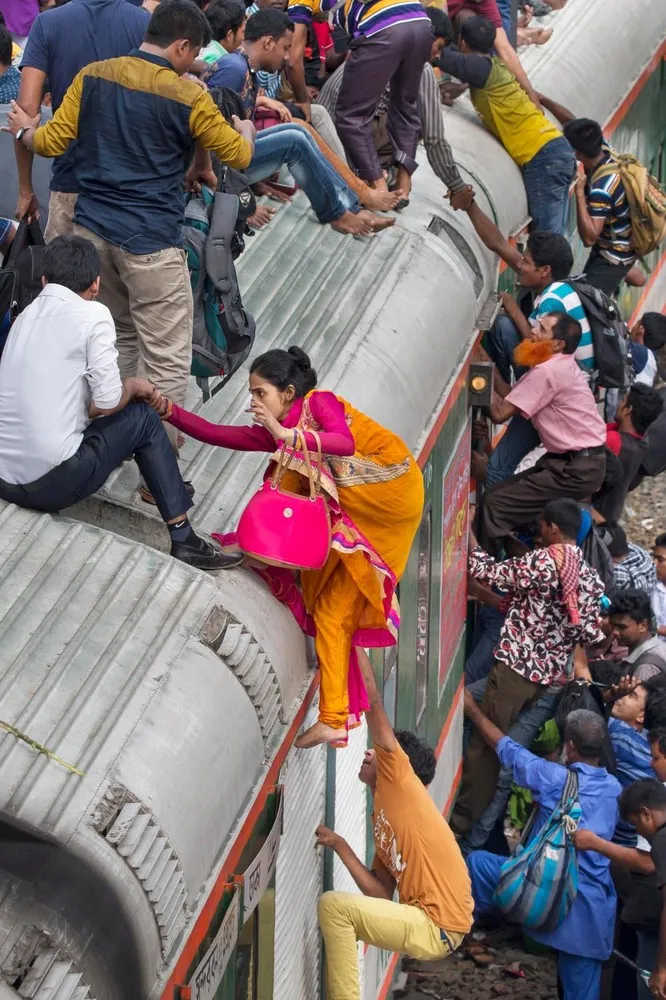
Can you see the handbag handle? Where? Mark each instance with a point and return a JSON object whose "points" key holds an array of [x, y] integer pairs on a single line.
{"points": [[284, 461]]}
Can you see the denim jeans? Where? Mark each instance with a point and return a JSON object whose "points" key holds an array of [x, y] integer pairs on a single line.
{"points": [[547, 177], [518, 440], [524, 731], [107, 441], [292, 146], [487, 630], [502, 340]]}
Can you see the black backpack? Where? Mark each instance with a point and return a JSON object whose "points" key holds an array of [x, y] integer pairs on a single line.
{"points": [[613, 368], [21, 275]]}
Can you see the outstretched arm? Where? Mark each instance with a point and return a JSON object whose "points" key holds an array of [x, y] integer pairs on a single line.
{"points": [[491, 734], [381, 730], [492, 237], [563, 116], [509, 57]]}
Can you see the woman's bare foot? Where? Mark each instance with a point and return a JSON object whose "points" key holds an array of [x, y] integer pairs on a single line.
{"points": [[380, 201], [379, 184], [361, 223], [318, 734]]}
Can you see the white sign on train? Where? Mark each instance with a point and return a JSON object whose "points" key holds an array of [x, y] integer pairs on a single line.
{"points": [[260, 872], [206, 980]]}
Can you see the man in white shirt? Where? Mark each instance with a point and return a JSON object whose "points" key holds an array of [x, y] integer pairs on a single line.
{"points": [[65, 422]]}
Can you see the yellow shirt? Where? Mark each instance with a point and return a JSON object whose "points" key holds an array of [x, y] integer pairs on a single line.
{"points": [[510, 115], [414, 842]]}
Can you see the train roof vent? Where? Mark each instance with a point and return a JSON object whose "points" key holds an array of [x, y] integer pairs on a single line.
{"points": [[236, 645], [440, 227], [51, 976], [130, 828]]}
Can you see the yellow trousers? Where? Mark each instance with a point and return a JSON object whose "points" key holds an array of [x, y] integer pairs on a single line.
{"points": [[336, 613], [348, 917]]}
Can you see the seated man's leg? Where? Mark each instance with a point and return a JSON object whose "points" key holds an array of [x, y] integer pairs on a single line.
{"points": [[524, 731], [580, 978], [331, 199], [518, 440], [502, 340], [484, 871], [346, 918]]}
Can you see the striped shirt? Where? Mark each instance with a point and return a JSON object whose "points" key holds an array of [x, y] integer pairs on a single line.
{"points": [[561, 297], [359, 18], [636, 571], [269, 82], [632, 757], [607, 200], [429, 108]]}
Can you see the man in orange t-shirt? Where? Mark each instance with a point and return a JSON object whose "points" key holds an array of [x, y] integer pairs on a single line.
{"points": [[415, 853]]}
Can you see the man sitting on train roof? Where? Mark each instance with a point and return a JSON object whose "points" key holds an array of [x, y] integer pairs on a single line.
{"points": [[415, 852], [538, 147], [554, 394], [58, 378], [602, 208]]}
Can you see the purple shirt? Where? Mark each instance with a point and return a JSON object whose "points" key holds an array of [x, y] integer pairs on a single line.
{"points": [[19, 15]]}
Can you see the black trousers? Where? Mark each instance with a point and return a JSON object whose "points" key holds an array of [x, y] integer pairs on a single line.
{"points": [[604, 275], [107, 441]]}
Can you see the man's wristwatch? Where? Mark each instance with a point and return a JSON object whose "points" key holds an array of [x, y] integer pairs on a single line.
{"points": [[22, 131]]}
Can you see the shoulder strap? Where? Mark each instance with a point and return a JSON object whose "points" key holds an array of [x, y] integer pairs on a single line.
{"points": [[569, 792]]}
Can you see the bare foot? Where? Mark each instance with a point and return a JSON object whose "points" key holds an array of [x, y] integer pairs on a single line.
{"points": [[403, 181], [318, 734], [379, 184], [381, 201], [361, 223]]}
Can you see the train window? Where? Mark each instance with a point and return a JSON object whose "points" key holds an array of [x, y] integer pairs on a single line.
{"points": [[449, 234], [390, 681], [423, 612]]}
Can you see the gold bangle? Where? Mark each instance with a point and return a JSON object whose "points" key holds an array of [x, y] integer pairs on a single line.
{"points": [[169, 410]]}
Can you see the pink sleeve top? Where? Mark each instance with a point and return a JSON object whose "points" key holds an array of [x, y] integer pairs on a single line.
{"points": [[326, 408]]}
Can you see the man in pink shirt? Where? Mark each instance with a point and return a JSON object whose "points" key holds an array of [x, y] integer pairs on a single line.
{"points": [[555, 396]]}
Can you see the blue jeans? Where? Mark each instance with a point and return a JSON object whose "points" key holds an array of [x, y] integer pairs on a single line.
{"points": [[547, 177], [107, 442], [502, 340], [292, 146], [504, 8], [524, 731], [579, 978], [487, 630], [518, 440]]}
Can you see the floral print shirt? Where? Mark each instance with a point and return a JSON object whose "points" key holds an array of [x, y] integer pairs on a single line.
{"points": [[537, 637]]}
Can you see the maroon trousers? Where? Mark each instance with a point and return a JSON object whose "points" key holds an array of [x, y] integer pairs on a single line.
{"points": [[395, 55]]}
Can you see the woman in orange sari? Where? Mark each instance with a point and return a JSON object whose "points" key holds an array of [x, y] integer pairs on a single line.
{"points": [[374, 491]]}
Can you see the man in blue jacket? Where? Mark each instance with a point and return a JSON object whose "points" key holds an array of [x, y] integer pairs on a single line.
{"points": [[584, 939]]}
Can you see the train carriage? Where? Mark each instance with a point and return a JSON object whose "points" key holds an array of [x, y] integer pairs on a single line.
{"points": [[180, 863]]}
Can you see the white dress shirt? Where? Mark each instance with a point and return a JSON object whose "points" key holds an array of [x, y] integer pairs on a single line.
{"points": [[59, 357]]}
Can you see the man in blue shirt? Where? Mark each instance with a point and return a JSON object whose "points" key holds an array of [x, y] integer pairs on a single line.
{"points": [[61, 42], [584, 939]]}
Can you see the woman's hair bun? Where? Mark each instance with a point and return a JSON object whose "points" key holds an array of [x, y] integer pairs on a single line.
{"points": [[302, 359]]}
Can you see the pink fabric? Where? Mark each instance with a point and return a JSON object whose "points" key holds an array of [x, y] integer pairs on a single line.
{"points": [[483, 8], [556, 397], [328, 411]]}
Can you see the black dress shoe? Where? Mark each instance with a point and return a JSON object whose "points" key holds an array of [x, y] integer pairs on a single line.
{"points": [[202, 554]]}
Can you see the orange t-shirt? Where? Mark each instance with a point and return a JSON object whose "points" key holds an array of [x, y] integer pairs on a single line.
{"points": [[414, 842]]}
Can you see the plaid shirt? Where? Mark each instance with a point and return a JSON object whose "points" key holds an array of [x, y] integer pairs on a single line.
{"points": [[537, 637], [637, 570]]}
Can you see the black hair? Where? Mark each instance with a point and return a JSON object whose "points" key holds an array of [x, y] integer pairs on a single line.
{"points": [[568, 330], [269, 22], [553, 250], [648, 793], [421, 755], [3, 23], [632, 602], [587, 731], [658, 736], [173, 20], [618, 544], [441, 24], [5, 47], [564, 513], [660, 541], [654, 325], [71, 261], [646, 405], [479, 33], [655, 706], [224, 16], [285, 368], [585, 136]]}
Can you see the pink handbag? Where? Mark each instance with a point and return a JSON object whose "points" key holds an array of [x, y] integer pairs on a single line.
{"points": [[286, 529]]}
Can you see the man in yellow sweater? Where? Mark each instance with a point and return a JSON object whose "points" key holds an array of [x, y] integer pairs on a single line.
{"points": [[547, 161]]}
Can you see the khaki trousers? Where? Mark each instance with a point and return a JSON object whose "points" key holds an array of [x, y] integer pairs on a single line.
{"points": [[348, 917], [61, 215], [507, 694], [150, 299]]}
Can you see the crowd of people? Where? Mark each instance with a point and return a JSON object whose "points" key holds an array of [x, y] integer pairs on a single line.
{"points": [[571, 616]]}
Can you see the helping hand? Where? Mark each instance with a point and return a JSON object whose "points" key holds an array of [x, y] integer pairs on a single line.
{"points": [[17, 118], [326, 837], [462, 200]]}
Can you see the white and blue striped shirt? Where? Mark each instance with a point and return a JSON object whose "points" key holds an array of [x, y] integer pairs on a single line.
{"points": [[561, 297]]}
